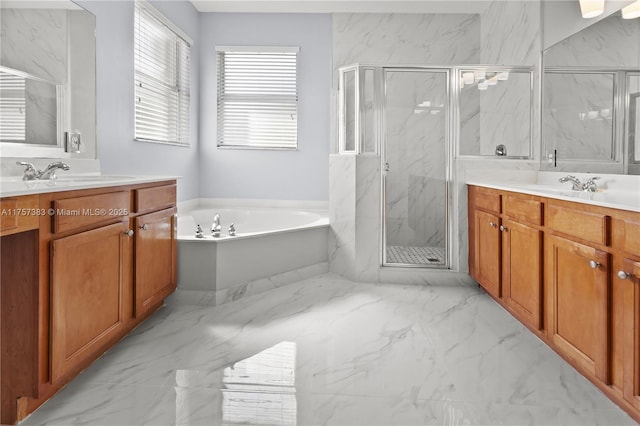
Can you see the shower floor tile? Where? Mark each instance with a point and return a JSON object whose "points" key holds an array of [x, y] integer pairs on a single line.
{"points": [[416, 255]]}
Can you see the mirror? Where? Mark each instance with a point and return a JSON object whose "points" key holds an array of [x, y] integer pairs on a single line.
{"points": [[47, 80], [496, 107], [589, 99]]}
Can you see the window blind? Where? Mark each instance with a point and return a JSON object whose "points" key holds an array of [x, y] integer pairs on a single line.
{"points": [[162, 79], [13, 107], [257, 97]]}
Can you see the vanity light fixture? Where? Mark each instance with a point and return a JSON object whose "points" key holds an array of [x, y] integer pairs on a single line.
{"points": [[591, 8], [468, 78], [632, 11]]}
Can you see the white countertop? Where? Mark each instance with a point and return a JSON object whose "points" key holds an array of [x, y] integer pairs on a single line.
{"points": [[15, 186], [627, 198]]}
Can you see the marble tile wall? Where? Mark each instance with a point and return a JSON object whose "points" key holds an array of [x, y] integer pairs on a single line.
{"points": [[621, 37], [511, 35], [506, 33], [395, 39], [47, 59]]}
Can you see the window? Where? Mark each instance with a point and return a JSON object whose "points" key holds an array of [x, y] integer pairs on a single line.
{"points": [[162, 78], [257, 97]]}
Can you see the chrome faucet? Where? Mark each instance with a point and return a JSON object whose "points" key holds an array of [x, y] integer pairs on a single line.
{"points": [[50, 171], [577, 185], [215, 226], [590, 185], [31, 173]]}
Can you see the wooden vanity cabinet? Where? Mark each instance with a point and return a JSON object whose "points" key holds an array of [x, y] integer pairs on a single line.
{"points": [[76, 281], [571, 273], [626, 285], [506, 249], [484, 239], [577, 278], [88, 283]]}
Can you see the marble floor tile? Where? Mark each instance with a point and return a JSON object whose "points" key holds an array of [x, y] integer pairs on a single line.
{"points": [[330, 351]]}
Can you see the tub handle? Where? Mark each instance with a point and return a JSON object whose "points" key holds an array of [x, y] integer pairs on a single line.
{"points": [[232, 230]]}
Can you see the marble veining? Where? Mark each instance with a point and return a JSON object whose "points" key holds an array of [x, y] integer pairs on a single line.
{"points": [[330, 351]]}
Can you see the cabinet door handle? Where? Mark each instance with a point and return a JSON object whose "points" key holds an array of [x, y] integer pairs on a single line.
{"points": [[623, 275], [129, 233], [144, 227], [493, 225], [593, 264], [504, 228]]}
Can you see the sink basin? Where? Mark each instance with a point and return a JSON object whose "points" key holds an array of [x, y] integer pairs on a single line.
{"points": [[547, 189]]}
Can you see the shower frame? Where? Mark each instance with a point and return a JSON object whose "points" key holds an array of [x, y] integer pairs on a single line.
{"points": [[452, 138]]}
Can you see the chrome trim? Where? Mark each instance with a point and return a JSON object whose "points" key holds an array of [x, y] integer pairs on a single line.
{"points": [[447, 71]]}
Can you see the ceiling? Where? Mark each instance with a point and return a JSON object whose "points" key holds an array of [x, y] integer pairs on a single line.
{"points": [[342, 6]]}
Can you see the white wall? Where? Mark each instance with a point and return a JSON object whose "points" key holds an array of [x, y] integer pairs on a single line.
{"points": [[268, 174], [117, 150]]}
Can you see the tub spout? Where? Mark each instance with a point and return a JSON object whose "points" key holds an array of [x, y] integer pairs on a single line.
{"points": [[215, 226]]}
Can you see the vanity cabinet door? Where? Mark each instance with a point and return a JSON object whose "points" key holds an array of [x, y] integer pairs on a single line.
{"points": [[487, 252], [578, 282], [522, 271], [155, 259], [629, 278], [88, 277]]}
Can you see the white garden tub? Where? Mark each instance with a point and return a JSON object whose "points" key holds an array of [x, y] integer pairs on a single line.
{"points": [[268, 242]]}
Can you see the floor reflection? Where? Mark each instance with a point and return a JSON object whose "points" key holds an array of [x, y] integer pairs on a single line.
{"points": [[261, 389]]}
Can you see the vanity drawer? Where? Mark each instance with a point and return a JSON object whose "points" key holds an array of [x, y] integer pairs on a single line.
{"points": [[80, 212], [147, 199], [487, 199], [19, 214], [632, 237], [522, 209], [588, 226]]}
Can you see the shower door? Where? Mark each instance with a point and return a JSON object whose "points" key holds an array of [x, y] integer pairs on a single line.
{"points": [[415, 167]]}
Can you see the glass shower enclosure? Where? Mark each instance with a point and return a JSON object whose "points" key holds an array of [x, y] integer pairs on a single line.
{"points": [[403, 114]]}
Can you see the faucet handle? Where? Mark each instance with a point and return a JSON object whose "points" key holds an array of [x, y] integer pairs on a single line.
{"points": [[30, 172]]}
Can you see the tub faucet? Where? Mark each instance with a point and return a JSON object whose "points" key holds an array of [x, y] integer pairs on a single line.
{"points": [[215, 226], [577, 185], [232, 230]]}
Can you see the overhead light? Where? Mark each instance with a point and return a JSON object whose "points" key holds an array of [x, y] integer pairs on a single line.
{"points": [[591, 8], [467, 77], [503, 76], [632, 11]]}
